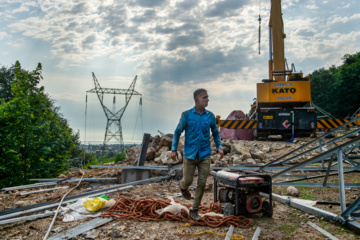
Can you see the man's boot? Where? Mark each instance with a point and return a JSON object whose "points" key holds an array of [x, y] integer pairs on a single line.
{"points": [[185, 193], [194, 215]]}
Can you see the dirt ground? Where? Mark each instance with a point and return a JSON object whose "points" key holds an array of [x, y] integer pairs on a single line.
{"points": [[286, 222]]}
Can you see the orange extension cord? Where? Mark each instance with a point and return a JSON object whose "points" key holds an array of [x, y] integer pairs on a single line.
{"points": [[144, 209]]}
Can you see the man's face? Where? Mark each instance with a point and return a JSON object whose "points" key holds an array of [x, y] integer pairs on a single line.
{"points": [[202, 100]]}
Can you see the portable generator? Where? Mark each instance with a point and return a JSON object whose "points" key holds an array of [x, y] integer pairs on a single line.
{"points": [[240, 193]]}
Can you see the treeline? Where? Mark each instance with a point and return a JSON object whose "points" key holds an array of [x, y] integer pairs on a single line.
{"points": [[337, 89]]}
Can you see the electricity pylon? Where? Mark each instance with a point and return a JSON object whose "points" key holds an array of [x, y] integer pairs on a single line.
{"points": [[112, 116]]}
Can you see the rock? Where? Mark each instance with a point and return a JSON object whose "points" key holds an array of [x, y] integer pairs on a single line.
{"points": [[22, 203], [236, 159], [218, 164], [62, 176], [278, 146], [209, 187], [157, 160], [150, 153], [226, 147], [292, 191], [155, 141], [240, 148], [258, 160], [250, 160], [170, 135], [115, 234], [181, 144], [132, 154], [257, 154], [109, 164], [226, 161], [165, 141], [92, 234], [162, 149], [58, 229], [266, 149], [237, 162], [165, 158], [213, 150]]}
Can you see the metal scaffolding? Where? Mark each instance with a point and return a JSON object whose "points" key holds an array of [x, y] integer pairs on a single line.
{"points": [[113, 117], [331, 157]]}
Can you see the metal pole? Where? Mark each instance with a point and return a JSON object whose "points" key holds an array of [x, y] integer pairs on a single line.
{"points": [[144, 147], [328, 170], [229, 233], [341, 182], [256, 234]]}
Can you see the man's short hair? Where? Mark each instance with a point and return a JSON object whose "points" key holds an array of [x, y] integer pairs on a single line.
{"points": [[198, 92]]}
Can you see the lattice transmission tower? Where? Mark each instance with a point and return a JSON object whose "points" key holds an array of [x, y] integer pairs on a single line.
{"points": [[113, 117]]}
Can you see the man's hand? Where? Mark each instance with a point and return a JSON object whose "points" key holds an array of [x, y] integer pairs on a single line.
{"points": [[174, 155], [221, 152]]}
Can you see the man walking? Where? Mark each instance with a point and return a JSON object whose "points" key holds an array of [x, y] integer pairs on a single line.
{"points": [[197, 123]]}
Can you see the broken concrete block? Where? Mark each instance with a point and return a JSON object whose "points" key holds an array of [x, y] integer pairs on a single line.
{"points": [[293, 191], [150, 153], [165, 158]]}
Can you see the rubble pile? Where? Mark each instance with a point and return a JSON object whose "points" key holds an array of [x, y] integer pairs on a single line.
{"points": [[236, 152]]}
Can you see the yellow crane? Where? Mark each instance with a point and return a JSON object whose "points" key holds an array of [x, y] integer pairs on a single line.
{"points": [[283, 101]]}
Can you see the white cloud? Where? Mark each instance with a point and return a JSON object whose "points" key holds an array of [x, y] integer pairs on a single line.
{"points": [[24, 7], [3, 35], [355, 16], [311, 6]]}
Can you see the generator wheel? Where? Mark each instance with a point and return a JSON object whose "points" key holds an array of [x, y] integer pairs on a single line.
{"points": [[228, 209], [267, 209]]}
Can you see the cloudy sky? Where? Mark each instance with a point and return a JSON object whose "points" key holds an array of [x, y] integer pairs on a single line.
{"points": [[174, 46]]}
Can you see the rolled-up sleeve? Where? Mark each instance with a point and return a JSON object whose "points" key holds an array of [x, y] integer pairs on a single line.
{"points": [[179, 129]]}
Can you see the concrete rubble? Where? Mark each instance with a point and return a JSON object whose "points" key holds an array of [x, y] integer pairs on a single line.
{"points": [[236, 152]]}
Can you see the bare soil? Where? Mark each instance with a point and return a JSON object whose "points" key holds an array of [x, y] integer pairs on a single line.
{"points": [[286, 222]]}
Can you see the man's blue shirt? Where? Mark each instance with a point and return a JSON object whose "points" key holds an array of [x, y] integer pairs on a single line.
{"points": [[197, 133]]}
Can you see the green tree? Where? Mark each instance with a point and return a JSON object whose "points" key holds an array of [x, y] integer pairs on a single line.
{"points": [[6, 77], [336, 90], [349, 88], [35, 140], [323, 88]]}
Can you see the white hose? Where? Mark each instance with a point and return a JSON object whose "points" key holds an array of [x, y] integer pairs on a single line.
{"points": [[57, 210]]}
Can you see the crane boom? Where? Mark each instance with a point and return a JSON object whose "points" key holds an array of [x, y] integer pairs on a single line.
{"points": [[276, 48]]}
